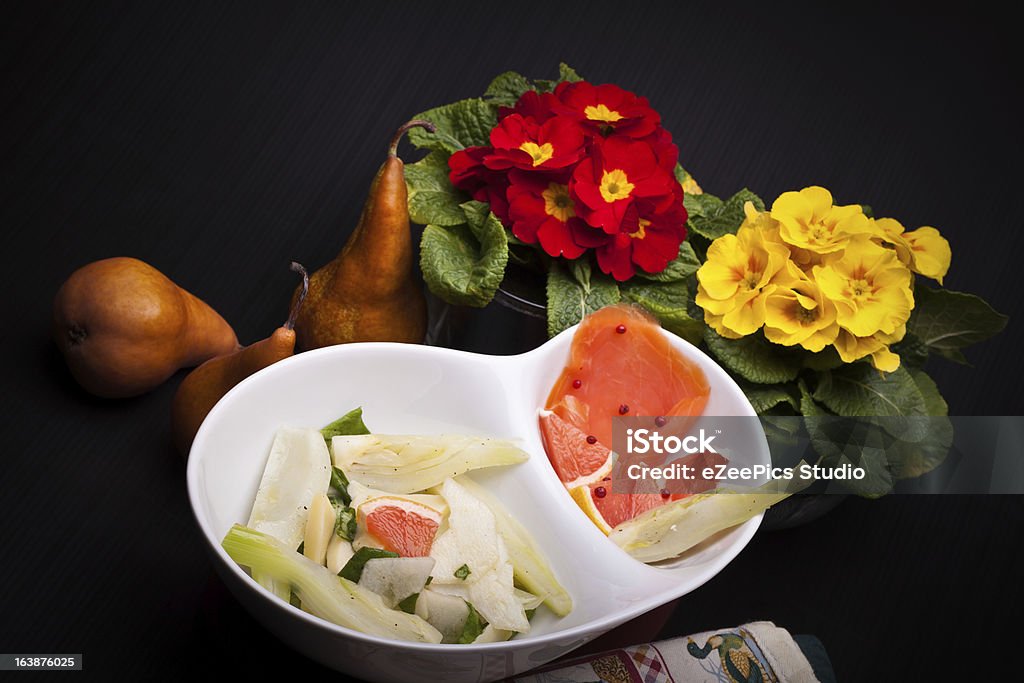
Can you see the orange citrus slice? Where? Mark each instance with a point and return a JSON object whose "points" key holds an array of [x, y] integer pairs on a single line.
{"points": [[579, 459], [607, 510], [400, 525]]}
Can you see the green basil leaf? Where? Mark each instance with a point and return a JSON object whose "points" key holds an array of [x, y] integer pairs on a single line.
{"points": [[353, 569], [408, 605], [473, 627], [462, 572], [349, 424], [345, 522]]}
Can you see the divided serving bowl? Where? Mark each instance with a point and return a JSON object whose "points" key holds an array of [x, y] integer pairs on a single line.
{"points": [[414, 389]]}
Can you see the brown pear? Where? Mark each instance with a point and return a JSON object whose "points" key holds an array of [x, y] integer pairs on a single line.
{"points": [[207, 384], [124, 327], [370, 291]]}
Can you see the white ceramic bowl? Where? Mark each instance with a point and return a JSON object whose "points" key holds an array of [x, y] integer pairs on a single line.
{"points": [[420, 389]]}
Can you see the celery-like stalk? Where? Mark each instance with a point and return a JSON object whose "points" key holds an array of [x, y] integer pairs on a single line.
{"points": [[670, 530], [409, 463], [323, 594]]}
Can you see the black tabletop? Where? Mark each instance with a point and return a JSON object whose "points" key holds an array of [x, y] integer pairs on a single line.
{"points": [[219, 141]]}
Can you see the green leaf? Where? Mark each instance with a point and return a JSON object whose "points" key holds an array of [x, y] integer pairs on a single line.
{"points": [[462, 572], [912, 458], [868, 211], [826, 359], [433, 200], [764, 397], [668, 302], [507, 88], [858, 390], [947, 321], [840, 440], [464, 264], [710, 217], [681, 174], [462, 124], [755, 358], [567, 73], [680, 268], [408, 605], [473, 627], [353, 569], [934, 404], [345, 522], [349, 424], [338, 489], [573, 296], [912, 352]]}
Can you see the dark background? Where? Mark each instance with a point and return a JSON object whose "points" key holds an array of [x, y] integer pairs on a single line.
{"points": [[219, 141]]}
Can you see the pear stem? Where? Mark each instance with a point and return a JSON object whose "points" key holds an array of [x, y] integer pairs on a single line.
{"points": [[406, 127], [297, 306]]}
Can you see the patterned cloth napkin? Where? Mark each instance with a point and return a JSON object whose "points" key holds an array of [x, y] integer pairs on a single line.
{"points": [[759, 651]]}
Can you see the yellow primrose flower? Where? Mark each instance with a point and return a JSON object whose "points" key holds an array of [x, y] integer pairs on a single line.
{"points": [[851, 348], [737, 274], [869, 286], [797, 312], [809, 221], [924, 250], [889, 232], [930, 251]]}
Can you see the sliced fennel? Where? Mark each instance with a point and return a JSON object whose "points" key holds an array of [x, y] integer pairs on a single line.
{"points": [[493, 635], [472, 554], [322, 593], [299, 467], [410, 463], [670, 530], [532, 571]]}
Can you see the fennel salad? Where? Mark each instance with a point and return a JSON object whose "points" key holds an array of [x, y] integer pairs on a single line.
{"points": [[390, 535]]}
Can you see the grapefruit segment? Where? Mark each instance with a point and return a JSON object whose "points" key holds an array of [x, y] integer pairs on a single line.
{"points": [[607, 510], [578, 461], [400, 525]]}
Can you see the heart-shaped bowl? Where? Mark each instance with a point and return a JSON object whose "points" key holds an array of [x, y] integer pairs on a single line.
{"points": [[409, 389]]}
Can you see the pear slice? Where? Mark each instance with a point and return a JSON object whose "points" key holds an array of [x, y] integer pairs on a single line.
{"points": [[446, 613], [396, 578]]}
